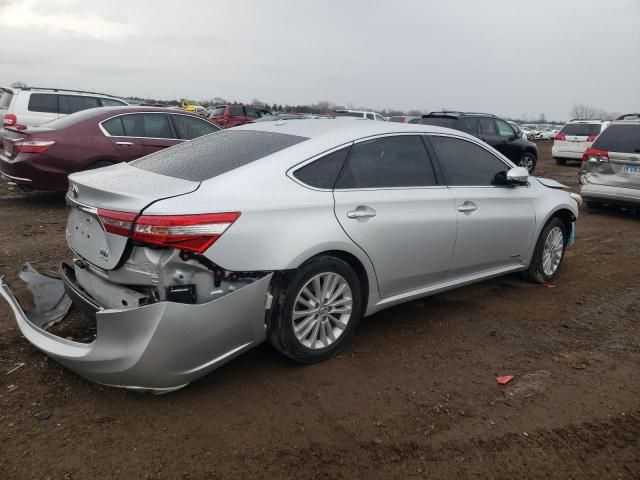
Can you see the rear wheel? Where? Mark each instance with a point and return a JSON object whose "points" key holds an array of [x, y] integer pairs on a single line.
{"points": [[528, 161], [549, 252], [318, 310]]}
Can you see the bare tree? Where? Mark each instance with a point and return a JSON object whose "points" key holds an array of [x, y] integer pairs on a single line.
{"points": [[584, 112]]}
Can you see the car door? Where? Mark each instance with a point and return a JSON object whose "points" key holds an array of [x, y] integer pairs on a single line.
{"points": [[152, 130], [129, 148], [390, 203], [496, 222]]}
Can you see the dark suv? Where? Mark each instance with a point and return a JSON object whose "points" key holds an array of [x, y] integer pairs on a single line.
{"points": [[227, 116], [491, 129]]}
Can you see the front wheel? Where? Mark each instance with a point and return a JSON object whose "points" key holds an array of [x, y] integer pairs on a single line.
{"points": [[318, 310], [528, 161], [549, 252]]}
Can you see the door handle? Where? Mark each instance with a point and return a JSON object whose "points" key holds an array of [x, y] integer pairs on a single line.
{"points": [[361, 212], [467, 207], [126, 144]]}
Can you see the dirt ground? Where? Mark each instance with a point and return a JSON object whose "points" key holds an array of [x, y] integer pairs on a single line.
{"points": [[413, 396]]}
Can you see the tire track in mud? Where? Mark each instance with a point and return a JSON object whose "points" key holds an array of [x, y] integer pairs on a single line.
{"points": [[578, 451]]}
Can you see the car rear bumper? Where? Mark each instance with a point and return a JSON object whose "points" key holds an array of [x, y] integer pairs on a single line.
{"points": [[159, 347], [591, 191], [25, 172], [570, 154]]}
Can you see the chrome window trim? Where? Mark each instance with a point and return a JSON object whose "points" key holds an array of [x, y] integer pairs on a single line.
{"points": [[292, 170], [107, 134]]}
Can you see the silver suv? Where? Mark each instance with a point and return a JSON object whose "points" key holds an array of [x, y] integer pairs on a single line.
{"points": [[31, 106], [611, 167]]}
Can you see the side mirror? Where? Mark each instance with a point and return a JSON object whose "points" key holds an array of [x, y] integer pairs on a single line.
{"points": [[517, 176]]}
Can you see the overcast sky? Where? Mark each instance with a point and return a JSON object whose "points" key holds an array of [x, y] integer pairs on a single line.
{"points": [[501, 56]]}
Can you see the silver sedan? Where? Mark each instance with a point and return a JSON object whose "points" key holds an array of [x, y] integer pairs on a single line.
{"points": [[286, 231]]}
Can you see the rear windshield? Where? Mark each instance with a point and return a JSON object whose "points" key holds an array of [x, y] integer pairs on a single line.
{"points": [[619, 138], [448, 122], [73, 119], [581, 129], [5, 99], [348, 114], [212, 155]]}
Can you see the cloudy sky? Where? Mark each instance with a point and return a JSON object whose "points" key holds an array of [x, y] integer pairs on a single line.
{"points": [[502, 56]]}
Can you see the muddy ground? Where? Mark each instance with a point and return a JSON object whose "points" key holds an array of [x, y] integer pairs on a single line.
{"points": [[413, 396]]}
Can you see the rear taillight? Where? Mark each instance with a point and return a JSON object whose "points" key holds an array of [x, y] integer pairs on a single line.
{"points": [[595, 155], [11, 121], [560, 137], [33, 146], [591, 138], [195, 233]]}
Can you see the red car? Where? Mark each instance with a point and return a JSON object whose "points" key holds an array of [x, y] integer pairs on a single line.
{"points": [[41, 158], [228, 116]]}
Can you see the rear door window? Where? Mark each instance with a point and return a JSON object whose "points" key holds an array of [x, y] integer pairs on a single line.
{"points": [[76, 103], [581, 129], [212, 155], [236, 111], [487, 126], [147, 125], [114, 127], [447, 122], [251, 112], [465, 163], [469, 125], [370, 116], [43, 102], [397, 161], [323, 173], [619, 138], [188, 128]]}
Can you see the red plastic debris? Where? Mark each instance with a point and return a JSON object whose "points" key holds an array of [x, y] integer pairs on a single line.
{"points": [[504, 379], [549, 285]]}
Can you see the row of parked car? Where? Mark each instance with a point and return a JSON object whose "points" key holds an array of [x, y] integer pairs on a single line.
{"points": [[47, 134]]}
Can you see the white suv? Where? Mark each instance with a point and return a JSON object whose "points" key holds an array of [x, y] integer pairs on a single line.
{"points": [[30, 106], [359, 114], [574, 138]]}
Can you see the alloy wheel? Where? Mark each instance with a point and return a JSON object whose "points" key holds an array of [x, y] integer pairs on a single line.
{"points": [[552, 252], [322, 310]]}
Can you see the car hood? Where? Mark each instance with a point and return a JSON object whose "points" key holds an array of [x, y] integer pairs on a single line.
{"points": [[548, 182]]}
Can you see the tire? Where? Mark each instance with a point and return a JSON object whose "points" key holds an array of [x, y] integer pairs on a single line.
{"points": [[311, 348], [528, 161], [592, 204], [561, 161], [537, 272]]}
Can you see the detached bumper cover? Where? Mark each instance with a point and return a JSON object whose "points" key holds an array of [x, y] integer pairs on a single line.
{"points": [[606, 192], [159, 347]]}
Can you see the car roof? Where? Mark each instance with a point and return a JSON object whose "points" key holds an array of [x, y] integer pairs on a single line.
{"points": [[338, 131], [60, 91], [455, 114], [577, 120]]}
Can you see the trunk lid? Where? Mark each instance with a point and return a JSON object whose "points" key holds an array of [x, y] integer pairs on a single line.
{"points": [[12, 135], [122, 188]]}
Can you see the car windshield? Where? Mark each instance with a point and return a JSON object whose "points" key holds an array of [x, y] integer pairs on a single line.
{"points": [[581, 129], [212, 155], [448, 122], [620, 138]]}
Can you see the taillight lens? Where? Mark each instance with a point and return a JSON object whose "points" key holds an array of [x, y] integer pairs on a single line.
{"points": [[595, 155], [33, 146], [9, 120], [560, 137], [194, 233], [591, 138]]}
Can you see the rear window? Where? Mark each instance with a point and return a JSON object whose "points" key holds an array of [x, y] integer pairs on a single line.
{"points": [[448, 122], [236, 112], [73, 119], [212, 155], [43, 102], [76, 103], [5, 99], [348, 114], [112, 102], [581, 129], [619, 138]]}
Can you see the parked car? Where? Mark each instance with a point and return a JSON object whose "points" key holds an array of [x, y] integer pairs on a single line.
{"points": [[404, 119], [227, 116], [575, 137], [31, 106], [192, 107], [517, 129], [359, 114], [286, 116], [611, 166], [547, 133], [188, 257], [491, 129], [42, 157], [629, 116]]}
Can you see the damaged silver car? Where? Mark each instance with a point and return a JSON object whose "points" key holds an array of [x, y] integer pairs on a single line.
{"points": [[287, 231]]}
